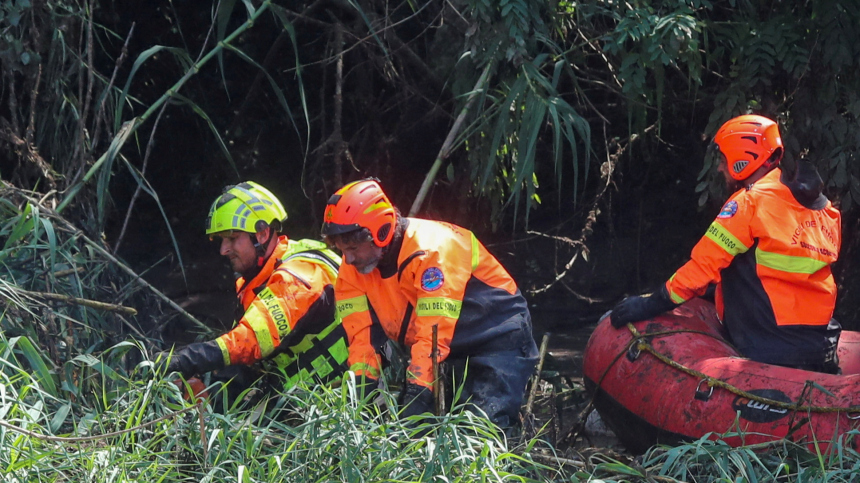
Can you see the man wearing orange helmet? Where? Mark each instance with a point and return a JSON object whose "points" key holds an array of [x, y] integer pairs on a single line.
{"points": [[407, 275], [285, 292], [769, 253]]}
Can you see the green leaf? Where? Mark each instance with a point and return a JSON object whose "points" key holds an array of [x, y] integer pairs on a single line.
{"points": [[182, 56], [144, 185], [821, 388], [202, 114], [60, 417], [277, 90], [52, 240], [250, 7], [222, 18], [35, 357], [22, 228]]}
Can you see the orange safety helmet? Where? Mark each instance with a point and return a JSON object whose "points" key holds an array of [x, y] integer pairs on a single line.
{"points": [[749, 142], [361, 204]]}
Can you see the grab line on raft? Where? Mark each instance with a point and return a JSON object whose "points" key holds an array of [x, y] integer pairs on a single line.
{"points": [[642, 344]]}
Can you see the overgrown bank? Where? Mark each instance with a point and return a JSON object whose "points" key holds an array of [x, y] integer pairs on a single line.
{"points": [[91, 407]]}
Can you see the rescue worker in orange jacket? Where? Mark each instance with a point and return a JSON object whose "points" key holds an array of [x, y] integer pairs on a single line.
{"points": [[285, 291], [407, 275], [769, 251]]}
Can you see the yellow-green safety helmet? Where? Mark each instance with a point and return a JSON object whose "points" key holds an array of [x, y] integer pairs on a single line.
{"points": [[243, 207]]}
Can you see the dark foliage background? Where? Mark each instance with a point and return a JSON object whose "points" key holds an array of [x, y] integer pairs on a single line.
{"points": [[584, 142]]}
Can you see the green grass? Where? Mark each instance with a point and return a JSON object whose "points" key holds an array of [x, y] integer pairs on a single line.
{"points": [[80, 401], [306, 434]]}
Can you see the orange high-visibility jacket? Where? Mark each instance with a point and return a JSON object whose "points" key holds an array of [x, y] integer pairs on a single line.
{"points": [[289, 313], [770, 257], [444, 276]]}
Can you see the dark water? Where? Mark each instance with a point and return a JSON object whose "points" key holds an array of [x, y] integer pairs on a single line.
{"points": [[568, 335]]}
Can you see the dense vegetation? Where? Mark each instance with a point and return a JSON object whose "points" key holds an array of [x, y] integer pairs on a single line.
{"points": [[570, 134]]}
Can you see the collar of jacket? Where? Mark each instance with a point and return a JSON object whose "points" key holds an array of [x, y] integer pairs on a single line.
{"points": [[806, 185], [388, 265], [265, 272]]}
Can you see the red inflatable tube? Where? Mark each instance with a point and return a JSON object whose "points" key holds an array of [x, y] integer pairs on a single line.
{"points": [[646, 401]]}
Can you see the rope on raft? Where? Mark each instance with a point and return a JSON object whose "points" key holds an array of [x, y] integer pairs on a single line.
{"points": [[643, 345]]}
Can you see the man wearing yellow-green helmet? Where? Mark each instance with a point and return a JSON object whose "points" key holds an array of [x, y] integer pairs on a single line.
{"points": [[285, 292]]}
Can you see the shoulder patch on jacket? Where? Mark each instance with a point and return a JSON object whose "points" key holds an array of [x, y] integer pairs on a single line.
{"points": [[432, 279], [729, 210]]}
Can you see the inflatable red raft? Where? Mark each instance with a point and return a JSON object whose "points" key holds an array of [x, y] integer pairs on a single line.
{"points": [[646, 400]]}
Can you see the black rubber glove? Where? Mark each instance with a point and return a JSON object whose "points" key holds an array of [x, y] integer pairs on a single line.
{"points": [[415, 399], [194, 359], [641, 307]]}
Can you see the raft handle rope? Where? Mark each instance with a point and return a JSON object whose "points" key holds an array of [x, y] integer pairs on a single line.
{"points": [[643, 345]]}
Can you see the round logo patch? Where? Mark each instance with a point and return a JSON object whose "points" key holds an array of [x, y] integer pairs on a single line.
{"points": [[729, 210], [432, 279]]}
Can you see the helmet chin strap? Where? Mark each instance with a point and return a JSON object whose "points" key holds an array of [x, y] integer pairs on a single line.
{"points": [[260, 249]]}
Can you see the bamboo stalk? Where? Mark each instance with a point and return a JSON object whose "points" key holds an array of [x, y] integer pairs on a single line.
{"points": [[438, 389], [555, 459], [95, 304], [63, 273], [131, 126], [449, 142], [202, 423], [543, 347]]}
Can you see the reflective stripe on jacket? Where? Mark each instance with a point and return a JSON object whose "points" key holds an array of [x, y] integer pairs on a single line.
{"points": [[444, 276], [771, 258], [289, 313]]}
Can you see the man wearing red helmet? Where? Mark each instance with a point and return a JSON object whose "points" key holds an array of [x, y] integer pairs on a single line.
{"points": [[769, 253], [407, 275]]}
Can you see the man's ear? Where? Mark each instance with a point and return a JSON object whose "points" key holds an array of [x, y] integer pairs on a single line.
{"points": [[264, 234]]}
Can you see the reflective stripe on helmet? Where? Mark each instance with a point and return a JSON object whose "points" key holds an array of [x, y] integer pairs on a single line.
{"points": [[241, 207], [361, 204]]}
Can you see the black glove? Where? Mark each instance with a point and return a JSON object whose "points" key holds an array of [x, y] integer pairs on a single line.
{"points": [[641, 307], [196, 358], [415, 399]]}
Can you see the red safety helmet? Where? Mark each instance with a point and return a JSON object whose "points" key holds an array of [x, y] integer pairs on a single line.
{"points": [[361, 204], [749, 142]]}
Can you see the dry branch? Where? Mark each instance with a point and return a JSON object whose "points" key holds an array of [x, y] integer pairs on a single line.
{"points": [[103, 252], [95, 304]]}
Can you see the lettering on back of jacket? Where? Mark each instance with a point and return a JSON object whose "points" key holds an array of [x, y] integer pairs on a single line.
{"points": [[804, 225]]}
